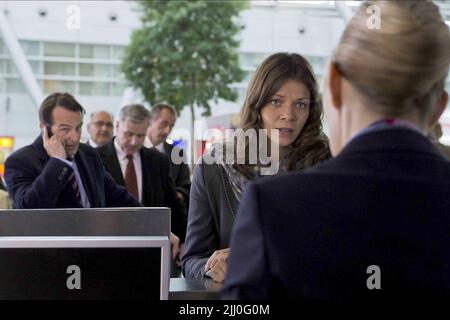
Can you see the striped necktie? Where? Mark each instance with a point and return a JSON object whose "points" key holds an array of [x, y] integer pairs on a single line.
{"points": [[74, 185]]}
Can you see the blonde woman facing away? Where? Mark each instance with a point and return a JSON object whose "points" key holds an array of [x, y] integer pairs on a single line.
{"points": [[373, 222]]}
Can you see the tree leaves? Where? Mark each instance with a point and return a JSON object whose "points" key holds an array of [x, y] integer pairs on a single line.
{"points": [[185, 52]]}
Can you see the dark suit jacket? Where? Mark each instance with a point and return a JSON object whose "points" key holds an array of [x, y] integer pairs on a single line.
{"points": [[179, 173], [35, 180], [384, 200], [158, 188]]}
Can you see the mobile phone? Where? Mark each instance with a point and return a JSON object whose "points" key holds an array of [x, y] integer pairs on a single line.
{"points": [[49, 129]]}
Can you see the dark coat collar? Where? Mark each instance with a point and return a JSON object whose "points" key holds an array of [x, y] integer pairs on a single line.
{"points": [[83, 160], [38, 144], [395, 139]]}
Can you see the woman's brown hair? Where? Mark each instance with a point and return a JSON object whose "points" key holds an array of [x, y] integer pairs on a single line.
{"points": [[311, 146]]}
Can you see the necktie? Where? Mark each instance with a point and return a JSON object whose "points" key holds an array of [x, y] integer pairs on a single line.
{"points": [[74, 185], [130, 178]]}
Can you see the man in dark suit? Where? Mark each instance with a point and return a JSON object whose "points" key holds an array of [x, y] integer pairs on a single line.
{"points": [[56, 171], [162, 121], [144, 172]]}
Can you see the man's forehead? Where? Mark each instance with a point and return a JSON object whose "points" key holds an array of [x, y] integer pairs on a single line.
{"points": [[101, 115], [166, 115], [132, 126], [68, 124], [62, 115]]}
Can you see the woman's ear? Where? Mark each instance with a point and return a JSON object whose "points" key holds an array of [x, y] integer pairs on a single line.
{"points": [[335, 85], [441, 105]]}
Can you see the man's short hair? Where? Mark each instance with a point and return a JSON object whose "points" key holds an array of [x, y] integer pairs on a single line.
{"points": [[58, 99], [134, 112], [157, 108]]}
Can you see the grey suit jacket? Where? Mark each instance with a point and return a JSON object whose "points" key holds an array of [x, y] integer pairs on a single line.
{"points": [[211, 215]]}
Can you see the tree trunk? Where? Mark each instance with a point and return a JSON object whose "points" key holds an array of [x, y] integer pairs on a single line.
{"points": [[193, 148]]}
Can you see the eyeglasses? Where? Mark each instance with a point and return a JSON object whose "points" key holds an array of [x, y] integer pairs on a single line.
{"points": [[100, 124]]}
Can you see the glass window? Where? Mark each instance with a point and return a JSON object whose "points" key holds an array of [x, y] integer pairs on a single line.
{"points": [[59, 68], [318, 63], [14, 86], [35, 66], [3, 67], [57, 49], [94, 70], [117, 52], [252, 59], [30, 48], [94, 51], [94, 88], [117, 73], [2, 85], [50, 86], [117, 88], [241, 93], [10, 67], [248, 76]]}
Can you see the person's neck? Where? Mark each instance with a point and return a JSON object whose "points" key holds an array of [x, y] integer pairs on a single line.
{"points": [[154, 143], [362, 117]]}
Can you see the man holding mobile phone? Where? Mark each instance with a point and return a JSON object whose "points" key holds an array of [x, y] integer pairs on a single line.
{"points": [[56, 171]]}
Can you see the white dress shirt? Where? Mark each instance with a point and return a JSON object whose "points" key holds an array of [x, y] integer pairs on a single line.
{"points": [[149, 144], [122, 156], [92, 143]]}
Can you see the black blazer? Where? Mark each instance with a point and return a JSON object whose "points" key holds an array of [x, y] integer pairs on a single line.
{"points": [[384, 200], [179, 173], [35, 180], [158, 188]]}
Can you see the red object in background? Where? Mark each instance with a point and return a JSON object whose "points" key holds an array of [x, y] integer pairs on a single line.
{"points": [[200, 146]]}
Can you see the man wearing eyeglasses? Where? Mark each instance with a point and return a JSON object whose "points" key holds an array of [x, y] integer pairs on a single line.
{"points": [[100, 128]]}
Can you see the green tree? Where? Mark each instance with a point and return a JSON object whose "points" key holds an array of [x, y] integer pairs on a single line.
{"points": [[185, 53]]}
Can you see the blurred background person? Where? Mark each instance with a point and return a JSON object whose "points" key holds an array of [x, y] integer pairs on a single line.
{"points": [[282, 95], [162, 120], [435, 133], [144, 172], [376, 216], [4, 200], [100, 128], [4, 197]]}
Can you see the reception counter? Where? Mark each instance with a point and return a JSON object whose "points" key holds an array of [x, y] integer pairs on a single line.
{"points": [[193, 289]]}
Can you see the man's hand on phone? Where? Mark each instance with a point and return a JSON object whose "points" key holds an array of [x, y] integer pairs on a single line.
{"points": [[54, 146]]}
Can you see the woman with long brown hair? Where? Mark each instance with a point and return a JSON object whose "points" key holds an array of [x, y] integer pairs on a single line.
{"points": [[283, 99]]}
